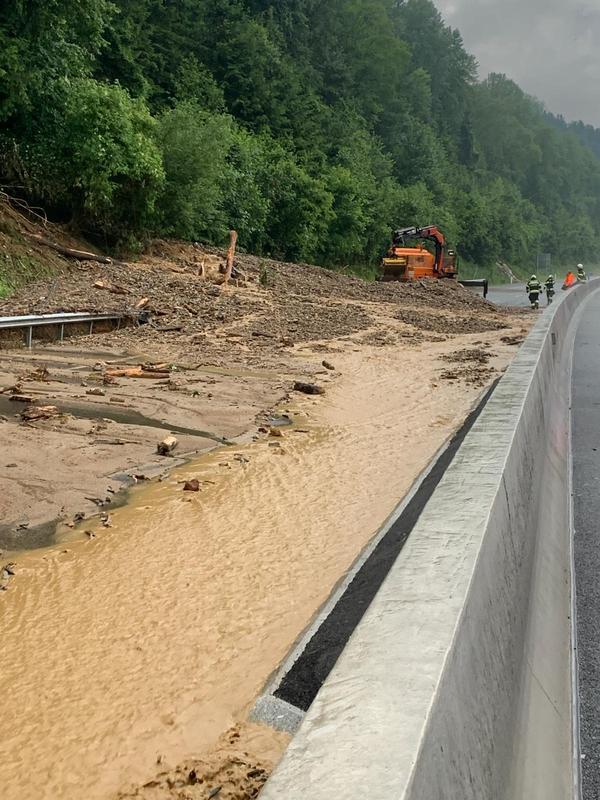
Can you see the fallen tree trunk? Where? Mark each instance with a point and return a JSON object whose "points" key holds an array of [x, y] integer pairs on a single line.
{"points": [[80, 255]]}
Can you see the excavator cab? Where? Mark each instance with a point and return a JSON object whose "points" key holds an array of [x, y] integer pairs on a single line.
{"points": [[412, 262]]}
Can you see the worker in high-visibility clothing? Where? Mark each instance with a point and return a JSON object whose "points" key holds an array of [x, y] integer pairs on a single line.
{"points": [[581, 276], [550, 291], [534, 290]]}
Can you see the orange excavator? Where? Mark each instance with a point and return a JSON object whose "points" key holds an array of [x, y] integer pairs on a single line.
{"points": [[406, 262], [408, 259]]}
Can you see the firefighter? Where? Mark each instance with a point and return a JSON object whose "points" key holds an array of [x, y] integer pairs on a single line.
{"points": [[534, 289], [581, 276], [550, 292]]}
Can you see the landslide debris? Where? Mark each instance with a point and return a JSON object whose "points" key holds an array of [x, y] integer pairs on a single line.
{"points": [[174, 287], [470, 366], [230, 772]]}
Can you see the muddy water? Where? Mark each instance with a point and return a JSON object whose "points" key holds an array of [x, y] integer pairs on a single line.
{"points": [[153, 638], [124, 416]]}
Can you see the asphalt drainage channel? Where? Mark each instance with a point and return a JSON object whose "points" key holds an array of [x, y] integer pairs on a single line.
{"points": [[296, 684]]}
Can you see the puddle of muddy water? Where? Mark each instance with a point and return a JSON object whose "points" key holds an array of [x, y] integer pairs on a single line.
{"points": [[15, 539], [122, 416]]}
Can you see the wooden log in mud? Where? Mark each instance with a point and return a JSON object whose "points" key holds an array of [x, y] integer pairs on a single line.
{"points": [[166, 447]]}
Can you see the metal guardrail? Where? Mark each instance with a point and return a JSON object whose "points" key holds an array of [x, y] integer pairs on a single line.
{"points": [[482, 283], [29, 322]]}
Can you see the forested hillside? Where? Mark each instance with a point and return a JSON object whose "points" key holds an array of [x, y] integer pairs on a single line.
{"points": [[311, 127]]}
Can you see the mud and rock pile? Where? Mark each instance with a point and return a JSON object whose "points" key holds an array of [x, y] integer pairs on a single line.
{"points": [[174, 288]]}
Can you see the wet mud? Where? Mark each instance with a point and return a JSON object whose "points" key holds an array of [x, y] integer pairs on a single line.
{"points": [[140, 645]]}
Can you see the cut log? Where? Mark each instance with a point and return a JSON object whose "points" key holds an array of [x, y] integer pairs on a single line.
{"points": [[166, 447], [21, 398], [233, 237], [110, 287], [80, 255], [136, 372], [143, 302]]}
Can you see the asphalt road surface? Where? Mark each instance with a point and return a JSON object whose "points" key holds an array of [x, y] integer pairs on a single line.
{"points": [[511, 294], [586, 511], [514, 294], [508, 294]]}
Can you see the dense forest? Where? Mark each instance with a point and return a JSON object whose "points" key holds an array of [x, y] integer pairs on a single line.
{"points": [[311, 127]]}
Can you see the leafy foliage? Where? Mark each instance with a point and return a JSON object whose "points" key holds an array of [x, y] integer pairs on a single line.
{"points": [[313, 128]]}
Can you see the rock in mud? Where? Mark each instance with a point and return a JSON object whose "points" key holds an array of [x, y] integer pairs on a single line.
{"points": [[308, 388], [328, 365], [192, 486]]}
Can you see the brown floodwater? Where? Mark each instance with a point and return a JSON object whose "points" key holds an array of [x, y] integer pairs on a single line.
{"points": [[154, 637]]}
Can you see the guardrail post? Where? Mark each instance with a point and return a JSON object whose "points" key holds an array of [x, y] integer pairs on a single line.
{"points": [[29, 337]]}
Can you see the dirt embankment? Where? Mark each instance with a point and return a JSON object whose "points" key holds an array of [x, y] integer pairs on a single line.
{"points": [[154, 628]]}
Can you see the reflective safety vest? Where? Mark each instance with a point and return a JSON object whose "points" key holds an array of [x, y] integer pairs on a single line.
{"points": [[534, 286]]}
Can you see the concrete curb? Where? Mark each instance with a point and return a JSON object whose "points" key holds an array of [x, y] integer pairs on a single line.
{"points": [[457, 683]]}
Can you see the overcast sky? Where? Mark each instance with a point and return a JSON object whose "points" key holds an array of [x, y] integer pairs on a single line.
{"points": [[551, 48]]}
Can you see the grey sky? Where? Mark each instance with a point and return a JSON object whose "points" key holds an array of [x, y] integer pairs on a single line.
{"points": [[551, 48]]}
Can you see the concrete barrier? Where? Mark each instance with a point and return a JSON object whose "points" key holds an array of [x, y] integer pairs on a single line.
{"points": [[458, 682]]}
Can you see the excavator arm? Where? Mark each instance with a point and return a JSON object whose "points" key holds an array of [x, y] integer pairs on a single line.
{"points": [[430, 233]]}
